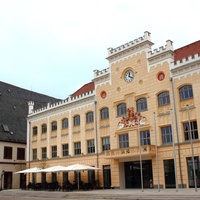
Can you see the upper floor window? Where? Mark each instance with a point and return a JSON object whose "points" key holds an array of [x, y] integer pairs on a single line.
{"points": [[166, 134], [123, 141], [121, 109], [65, 123], [34, 155], [89, 117], [105, 143], [7, 152], [54, 126], [186, 92], [145, 138], [190, 127], [77, 120], [44, 153], [141, 104], [90, 146], [54, 151], [20, 153], [35, 130], [163, 98], [65, 150], [77, 148], [104, 113], [44, 128]]}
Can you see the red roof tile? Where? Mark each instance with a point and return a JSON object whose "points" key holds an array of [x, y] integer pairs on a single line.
{"points": [[84, 89], [187, 50]]}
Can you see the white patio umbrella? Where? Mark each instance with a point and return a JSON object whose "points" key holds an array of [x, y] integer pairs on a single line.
{"points": [[78, 168], [30, 170], [56, 168]]}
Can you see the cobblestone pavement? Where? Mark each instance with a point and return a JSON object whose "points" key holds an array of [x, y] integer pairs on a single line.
{"points": [[115, 194]]}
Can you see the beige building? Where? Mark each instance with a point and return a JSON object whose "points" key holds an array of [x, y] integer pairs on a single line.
{"points": [[134, 121]]}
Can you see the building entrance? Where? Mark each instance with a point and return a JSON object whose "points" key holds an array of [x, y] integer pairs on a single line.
{"points": [[133, 175]]}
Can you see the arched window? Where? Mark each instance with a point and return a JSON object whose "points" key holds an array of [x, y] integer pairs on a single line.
{"points": [[35, 130], [77, 120], [121, 109], [89, 117], [54, 126], [163, 98], [141, 104], [186, 92], [65, 123], [44, 128], [104, 113]]}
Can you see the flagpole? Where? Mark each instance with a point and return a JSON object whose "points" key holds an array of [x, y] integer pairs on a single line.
{"points": [[175, 173], [155, 135], [192, 149], [141, 174]]}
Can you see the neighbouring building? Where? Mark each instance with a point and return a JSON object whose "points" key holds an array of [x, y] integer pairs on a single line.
{"points": [[13, 131], [140, 117]]}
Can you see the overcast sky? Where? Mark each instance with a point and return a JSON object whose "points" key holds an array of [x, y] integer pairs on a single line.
{"points": [[53, 46]]}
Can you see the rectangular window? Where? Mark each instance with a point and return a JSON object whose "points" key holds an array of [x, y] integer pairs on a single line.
{"points": [[35, 130], [166, 135], [20, 153], [77, 148], [145, 138], [105, 143], [7, 152], [34, 154], [194, 130], [44, 153], [91, 146], [191, 172], [123, 141], [65, 150], [54, 151]]}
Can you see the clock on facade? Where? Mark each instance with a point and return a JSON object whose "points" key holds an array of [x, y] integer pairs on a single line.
{"points": [[129, 75]]}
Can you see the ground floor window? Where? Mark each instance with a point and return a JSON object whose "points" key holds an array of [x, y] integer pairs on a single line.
{"points": [[191, 171]]}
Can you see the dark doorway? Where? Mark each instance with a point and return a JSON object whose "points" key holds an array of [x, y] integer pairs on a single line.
{"points": [[107, 177], [7, 180], [22, 181], [133, 174], [169, 173]]}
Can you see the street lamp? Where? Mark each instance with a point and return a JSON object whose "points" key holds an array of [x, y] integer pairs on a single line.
{"points": [[2, 173], [192, 149]]}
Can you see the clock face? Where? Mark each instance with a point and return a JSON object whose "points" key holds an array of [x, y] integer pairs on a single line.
{"points": [[129, 75]]}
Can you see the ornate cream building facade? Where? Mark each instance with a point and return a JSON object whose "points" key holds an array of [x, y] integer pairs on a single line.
{"points": [[134, 121]]}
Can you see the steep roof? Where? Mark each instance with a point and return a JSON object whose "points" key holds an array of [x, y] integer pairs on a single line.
{"points": [[187, 50], [84, 89], [14, 110]]}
